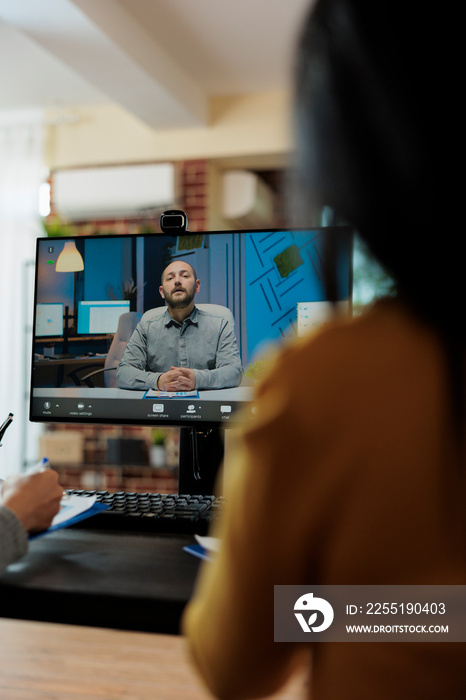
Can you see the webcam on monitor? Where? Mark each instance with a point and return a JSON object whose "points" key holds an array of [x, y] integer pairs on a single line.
{"points": [[174, 221]]}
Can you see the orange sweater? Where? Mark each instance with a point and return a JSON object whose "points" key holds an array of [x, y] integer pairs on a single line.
{"points": [[347, 476]]}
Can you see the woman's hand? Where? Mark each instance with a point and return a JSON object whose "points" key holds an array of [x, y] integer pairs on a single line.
{"points": [[35, 498]]}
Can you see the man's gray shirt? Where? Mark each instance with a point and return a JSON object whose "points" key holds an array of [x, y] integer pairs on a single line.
{"points": [[205, 342]]}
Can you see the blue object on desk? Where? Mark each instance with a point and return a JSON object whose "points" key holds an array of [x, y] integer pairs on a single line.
{"points": [[172, 395], [93, 510], [197, 550]]}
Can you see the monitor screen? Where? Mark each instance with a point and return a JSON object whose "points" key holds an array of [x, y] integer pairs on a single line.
{"points": [[143, 360], [48, 320], [100, 316]]}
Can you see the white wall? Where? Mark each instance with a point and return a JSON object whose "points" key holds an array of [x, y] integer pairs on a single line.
{"points": [[20, 172]]}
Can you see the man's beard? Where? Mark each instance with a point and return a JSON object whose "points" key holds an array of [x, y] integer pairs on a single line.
{"points": [[181, 303]]}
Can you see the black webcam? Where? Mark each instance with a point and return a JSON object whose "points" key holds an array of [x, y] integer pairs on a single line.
{"points": [[173, 221]]}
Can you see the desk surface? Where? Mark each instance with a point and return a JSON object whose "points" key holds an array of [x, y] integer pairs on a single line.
{"points": [[41, 661], [120, 580], [73, 360]]}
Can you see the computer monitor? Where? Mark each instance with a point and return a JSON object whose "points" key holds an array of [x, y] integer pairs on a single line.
{"points": [[270, 281], [258, 289], [48, 320], [100, 316]]}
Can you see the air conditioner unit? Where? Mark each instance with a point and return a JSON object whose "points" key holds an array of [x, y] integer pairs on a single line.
{"points": [[247, 200], [113, 192]]}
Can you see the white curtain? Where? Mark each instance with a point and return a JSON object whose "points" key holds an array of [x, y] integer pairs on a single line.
{"points": [[21, 163]]}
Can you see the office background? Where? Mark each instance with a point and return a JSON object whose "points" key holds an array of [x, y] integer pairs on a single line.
{"points": [[113, 112]]}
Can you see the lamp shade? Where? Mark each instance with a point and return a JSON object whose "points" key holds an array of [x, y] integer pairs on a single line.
{"points": [[70, 259]]}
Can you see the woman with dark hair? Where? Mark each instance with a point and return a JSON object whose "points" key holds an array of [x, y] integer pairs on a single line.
{"points": [[353, 471]]}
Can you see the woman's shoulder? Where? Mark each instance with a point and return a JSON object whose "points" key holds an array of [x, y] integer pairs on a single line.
{"points": [[365, 348]]}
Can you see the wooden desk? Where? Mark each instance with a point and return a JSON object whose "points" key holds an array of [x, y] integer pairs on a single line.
{"points": [[44, 661], [109, 586]]}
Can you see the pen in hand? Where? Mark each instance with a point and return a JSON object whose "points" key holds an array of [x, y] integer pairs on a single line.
{"points": [[39, 467], [34, 497]]}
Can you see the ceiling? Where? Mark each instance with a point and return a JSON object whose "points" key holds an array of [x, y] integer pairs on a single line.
{"points": [[159, 59]]}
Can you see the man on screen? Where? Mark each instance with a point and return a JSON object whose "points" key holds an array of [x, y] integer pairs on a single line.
{"points": [[183, 348]]}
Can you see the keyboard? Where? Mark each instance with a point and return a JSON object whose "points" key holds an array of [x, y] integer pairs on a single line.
{"points": [[152, 512]]}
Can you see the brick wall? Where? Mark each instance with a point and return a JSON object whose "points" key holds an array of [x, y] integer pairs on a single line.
{"points": [[194, 179], [93, 469], [112, 478]]}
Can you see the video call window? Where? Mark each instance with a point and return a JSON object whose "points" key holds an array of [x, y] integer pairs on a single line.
{"points": [[270, 283]]}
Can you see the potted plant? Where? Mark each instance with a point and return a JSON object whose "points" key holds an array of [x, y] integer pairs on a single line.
{"points": [[157, 452]]}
